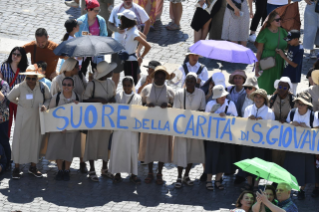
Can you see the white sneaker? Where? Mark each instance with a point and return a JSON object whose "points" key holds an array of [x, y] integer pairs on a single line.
{"points": [[313, 54], [71, 4], [252, 38]]}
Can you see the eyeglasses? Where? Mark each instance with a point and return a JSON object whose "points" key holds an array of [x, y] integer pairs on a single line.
{"points": [[17, 55], [97, 11], [249, 88], [282, 87], [277, 19], [31, 78], [69, 85], [301, 105]]}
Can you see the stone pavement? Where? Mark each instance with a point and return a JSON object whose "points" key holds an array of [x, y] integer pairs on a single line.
{"points": [[19, 20]]}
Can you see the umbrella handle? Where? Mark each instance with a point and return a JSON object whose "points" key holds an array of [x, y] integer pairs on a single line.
{"points": [[253, 68], [258, 175]]}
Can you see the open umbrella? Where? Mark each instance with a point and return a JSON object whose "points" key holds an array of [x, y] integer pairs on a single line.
{"points": [[268, 170], [88, 46], [224, 50]]}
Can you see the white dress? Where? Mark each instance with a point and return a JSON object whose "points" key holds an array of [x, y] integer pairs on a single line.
{"points": [[124, 152]]}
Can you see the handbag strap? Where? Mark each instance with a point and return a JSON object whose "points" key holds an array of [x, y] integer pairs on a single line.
{"points": [[34, 53], [129, 101], [184, 99], [15, 77]]}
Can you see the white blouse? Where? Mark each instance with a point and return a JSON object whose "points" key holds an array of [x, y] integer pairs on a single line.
{"points": [[264, 112], [231, 107], [246, 103], [302, 118]]}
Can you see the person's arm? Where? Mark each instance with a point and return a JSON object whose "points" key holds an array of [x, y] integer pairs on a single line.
{"points": [[283, 56], [236, 10], [263, 198], [147, 26], [251, 13], [14, 94], [147, 48], [260, 48]]}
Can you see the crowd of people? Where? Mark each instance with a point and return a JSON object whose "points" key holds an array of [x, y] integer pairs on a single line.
{"points": [[269, 95]]}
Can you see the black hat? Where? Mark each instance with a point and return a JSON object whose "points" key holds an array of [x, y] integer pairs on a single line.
{"points": [[71, 23], [292, 34], [153, 64]]}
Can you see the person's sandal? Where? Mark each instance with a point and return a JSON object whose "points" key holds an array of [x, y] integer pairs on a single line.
{"points": [[178, 183], [220, 187], [149, 178], [117, 178], [135, 179], [159, 179], [106, 173], [188, 181], [173, 27], [209, 186], [93, 176]]}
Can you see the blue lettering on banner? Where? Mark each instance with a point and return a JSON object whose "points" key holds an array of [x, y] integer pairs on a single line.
{"points": [[66, 120], [159, 126], [166, 127], [306, 139], [108, 115], [209, 126], [190, 122], [314, 134], [145, 123], [119, 117], [138, 124], [281, 132], [284, 143], [75, 126], [274, 140], [152, 125], [199, 125], [244, 136], [227, 131], [175, 123], [295, 138], [217, 124], [91, 109], [257, 132]]}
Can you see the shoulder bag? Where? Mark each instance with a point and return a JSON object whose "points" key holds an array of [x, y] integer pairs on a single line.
{"points": [[269, 62]]}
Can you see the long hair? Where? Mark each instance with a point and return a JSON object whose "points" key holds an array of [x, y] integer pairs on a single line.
{"points": [[271, 18], [23, 64], [68, 65], [241, 196], [127, 23]]}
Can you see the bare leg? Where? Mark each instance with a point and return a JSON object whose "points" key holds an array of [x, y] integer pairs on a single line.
{"points": [[243, 43], [16, 165], [197, 35], [116, 78], [205, 30], [67, 165], [178, 13], [59, 163], [209, 177]]}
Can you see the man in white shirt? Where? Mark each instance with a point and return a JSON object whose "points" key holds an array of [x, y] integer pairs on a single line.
{"points": [[194, 66], [114, 23]]}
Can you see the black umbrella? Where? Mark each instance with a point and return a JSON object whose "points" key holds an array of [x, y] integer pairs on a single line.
{"points": [[88, 46]]}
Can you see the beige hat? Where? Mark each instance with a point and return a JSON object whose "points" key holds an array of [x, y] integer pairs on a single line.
{"points": [[33, 70], [251, 82], [315, 76], [160, 68], [219, 91], [261, 92], [237, 73], [304, 98], [103, 68]]}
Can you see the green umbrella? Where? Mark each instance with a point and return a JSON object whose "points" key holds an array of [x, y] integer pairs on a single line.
{"points": [[268, 170]]}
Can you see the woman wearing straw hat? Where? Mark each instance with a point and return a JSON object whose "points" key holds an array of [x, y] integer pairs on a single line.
{"points": [[63, 146], [156, 147], [237, 79], [187, 151], [102, 90], [124, 152], [259, 110], [244, 101], [301, 165], [27, 137], [219, 156]]}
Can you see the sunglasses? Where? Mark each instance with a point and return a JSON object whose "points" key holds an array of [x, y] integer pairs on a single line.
{"points": [[17, 55], [282, 87], [277, 19], [301, 104], [97, 11], [31, 78], [249, 88], [69, 85]]}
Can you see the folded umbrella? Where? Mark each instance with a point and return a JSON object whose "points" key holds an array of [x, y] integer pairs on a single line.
{"points": [[88, 46], [224, 50], [268, 170]]}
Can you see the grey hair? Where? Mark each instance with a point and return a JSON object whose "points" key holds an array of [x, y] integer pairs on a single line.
{"points": [[288, 187]]}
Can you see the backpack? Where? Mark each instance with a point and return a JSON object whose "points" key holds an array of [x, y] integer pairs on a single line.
{"points": [[57, 100], [312, 116], [273, 99], [199, 71], [42, 91]]}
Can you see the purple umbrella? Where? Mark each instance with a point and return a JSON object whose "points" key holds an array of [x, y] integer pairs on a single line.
{"points": [[224, 50]]}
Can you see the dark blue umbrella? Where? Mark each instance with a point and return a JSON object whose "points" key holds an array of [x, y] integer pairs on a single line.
{"points": [[88, 46]]}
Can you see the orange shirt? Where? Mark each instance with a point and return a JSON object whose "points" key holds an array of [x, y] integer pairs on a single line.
{"points": [[46, 54]]}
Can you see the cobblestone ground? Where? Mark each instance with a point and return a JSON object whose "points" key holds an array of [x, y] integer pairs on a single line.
{"points": [[19, 20]]}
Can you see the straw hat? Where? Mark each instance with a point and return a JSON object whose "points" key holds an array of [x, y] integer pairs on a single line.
{"points": [[261, 92], [219, 91], [283, 79], [237, 73], [103, 68], [315, 76], [33, 70], [219, 79], [304, 98], [160, 68], [251, 82]]}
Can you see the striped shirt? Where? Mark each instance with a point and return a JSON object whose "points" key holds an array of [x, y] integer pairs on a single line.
{"points": [[8, 75]]}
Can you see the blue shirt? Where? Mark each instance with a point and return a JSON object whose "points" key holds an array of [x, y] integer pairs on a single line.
{"points": [[294, 54], [288, 205], [85, 25], [47, 82]]}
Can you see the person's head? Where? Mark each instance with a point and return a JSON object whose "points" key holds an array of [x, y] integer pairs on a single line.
{"points": [[127, 18], [160, 74], [283, 191], [42, 67], [190, 81], [245, 200], [283, 85], [218, 78], [127, 4], [18, 55], [316, 65], [303, 102], [41, 37], [32, 75], [309, 78], [219, 94], [104, 70], [128, 83], [259, 97], [70, 67], [151, 66], [67, 84], [93, 8], [251, 85], [71, 26], [237, 78], [192, 58], [270, 192], [273, 20], [293, 37]]}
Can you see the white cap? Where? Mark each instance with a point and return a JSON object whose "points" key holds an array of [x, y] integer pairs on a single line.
{"points": [[283, 79], [219, 79], [128, 14]]}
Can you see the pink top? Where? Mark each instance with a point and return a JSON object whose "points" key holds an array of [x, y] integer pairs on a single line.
{"points": [[95, 28]]}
